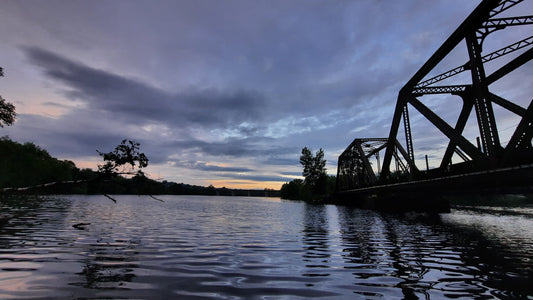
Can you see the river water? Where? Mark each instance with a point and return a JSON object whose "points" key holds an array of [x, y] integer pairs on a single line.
{"points": [[192, 247]]}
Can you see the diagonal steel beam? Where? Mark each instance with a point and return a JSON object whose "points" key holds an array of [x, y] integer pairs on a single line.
{"points": [[459, 127], [511, 21], [510, 66], [503, 6], [482, 17], [370, 173], [406, 156], [447, 89], [486, 58], [376, 150], [445, 128], [509, 49], [461, 154], [507, 104], [474, 20], [523, 133]]}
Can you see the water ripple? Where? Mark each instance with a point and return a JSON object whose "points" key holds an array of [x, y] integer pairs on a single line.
{"points": [[253, 248]]}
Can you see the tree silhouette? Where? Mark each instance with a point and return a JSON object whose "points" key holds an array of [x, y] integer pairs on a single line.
{"points": [[123, 160], [7, 110], [314, 169]]}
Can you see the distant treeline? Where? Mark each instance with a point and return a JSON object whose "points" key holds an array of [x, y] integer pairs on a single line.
{"points": [[28, 165]]}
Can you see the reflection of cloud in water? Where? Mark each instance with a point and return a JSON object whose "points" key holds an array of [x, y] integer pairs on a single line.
{"points": [[424, 257], [252, 247], [512, 227], [315, 236], [110, 264]]}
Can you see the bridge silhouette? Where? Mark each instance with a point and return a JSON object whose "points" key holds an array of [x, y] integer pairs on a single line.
{"points": [[467, 164]]}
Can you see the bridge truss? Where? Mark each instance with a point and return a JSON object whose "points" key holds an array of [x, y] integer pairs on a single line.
{"points": [[355, 168]]}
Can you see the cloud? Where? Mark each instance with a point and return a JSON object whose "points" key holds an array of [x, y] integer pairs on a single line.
{"points": [[71, 136], [208, 121], [233, 88], [202, 166], [262, 178], [140, 103], [291, 173], [234, 147]]}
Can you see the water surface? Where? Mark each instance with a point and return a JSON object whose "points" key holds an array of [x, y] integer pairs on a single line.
{"points": [[191, 247]]}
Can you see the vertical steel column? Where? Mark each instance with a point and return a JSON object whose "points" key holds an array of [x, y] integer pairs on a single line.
{"points": [[408, 136], [483, 106], [379, 163], [339, 162], [396, 119]]}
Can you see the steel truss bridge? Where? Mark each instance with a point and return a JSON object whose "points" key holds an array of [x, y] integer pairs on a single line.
{"points": [[482, 162]]}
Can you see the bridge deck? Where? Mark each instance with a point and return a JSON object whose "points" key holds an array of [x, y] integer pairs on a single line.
{"points": [[433, 194]]}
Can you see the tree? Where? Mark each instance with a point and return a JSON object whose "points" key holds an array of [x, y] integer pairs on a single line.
{"points": [[314, 169], [123, 160], [28, 167], [24, 165], [7, 110], [292, 190]]}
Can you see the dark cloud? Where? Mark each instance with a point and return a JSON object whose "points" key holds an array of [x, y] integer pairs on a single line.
{"points": [[54, 104], [273, 178], [227, 82], [284, 161], [202, 166], [69, 136], [291, 173], [236, 147], [139, 103]]}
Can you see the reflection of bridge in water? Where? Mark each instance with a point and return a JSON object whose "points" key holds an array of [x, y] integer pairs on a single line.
{"points": [[487, 165]]}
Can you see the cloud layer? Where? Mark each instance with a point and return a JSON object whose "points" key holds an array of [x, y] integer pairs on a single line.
{"points": [[224, 91]]}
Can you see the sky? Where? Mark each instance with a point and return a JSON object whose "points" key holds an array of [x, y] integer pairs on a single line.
{"points": [[228, 92]]}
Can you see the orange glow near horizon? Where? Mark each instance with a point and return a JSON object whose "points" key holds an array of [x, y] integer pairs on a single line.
{"points": [[81, 164], [247, 185], [154, 173]]}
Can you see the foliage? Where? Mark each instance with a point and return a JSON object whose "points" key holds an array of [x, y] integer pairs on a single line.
{"points": [[28, 164], [292, 190], [317, 183], [7, 113], [123, 159], [298, 190], [314, 170], [7, 110], [331, 184]]}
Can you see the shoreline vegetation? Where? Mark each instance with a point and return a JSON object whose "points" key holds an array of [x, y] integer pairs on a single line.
{"points": [[297, 189], [28, 168], [317, 187]]}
